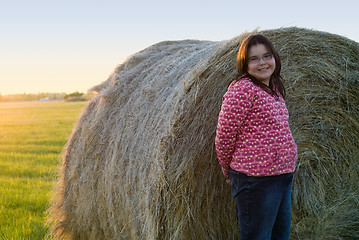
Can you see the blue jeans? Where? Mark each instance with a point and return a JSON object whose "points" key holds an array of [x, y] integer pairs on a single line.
{"points": [[264, 205]]}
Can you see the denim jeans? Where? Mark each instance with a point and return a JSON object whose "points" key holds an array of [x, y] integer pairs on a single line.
{"points": [[264, 205]]}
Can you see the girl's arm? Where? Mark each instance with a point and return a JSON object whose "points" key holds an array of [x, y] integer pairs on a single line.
{"points": [[235, 105]]}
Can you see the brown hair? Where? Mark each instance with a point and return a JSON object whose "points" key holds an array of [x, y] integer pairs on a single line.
{"points": [[242, 63]]}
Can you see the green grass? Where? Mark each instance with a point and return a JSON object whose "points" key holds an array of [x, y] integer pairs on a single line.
{"points": [[32, 135]]}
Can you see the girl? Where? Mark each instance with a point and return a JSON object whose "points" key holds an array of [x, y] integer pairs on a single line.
{"points": [[254, 144]]}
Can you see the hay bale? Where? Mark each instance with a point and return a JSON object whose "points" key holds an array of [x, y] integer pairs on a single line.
{"points": [[141, 162]]}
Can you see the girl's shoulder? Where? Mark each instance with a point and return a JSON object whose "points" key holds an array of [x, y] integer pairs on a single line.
{"points": [[242, 84], [241, 89]]}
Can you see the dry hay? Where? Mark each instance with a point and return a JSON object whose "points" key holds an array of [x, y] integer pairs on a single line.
{"points": [[141, 163]]}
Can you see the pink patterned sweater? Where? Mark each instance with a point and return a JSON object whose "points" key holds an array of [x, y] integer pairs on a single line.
{"points": [[253, 135]]}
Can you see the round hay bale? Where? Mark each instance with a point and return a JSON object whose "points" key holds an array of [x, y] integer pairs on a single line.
{"points": [[141, 162]]}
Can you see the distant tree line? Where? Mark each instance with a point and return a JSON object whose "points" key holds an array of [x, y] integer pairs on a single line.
{"points": [[75, 96]]}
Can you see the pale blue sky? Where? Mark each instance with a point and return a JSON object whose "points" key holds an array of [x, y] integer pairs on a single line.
{"points": [[66, 46]]}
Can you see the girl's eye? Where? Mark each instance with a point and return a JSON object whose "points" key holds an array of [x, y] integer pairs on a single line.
{"points": [[267, 56]]}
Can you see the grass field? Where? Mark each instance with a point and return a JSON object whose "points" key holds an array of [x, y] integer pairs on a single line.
{"points": [[32, 135]]}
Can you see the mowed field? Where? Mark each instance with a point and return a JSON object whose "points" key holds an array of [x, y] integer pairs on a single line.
{"points": [[32, 136]]}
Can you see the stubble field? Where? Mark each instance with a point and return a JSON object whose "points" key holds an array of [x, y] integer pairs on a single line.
{"points": [[32, 136]]}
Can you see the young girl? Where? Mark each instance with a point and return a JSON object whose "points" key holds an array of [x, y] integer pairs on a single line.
{"points": [[254, 144]]}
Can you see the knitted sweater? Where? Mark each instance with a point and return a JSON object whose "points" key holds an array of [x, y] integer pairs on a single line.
{"points": [[253, 135]]}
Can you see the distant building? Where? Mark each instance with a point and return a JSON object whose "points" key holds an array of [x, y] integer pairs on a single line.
{"points": [[44, 99]]}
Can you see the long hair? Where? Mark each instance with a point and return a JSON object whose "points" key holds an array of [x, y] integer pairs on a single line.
{"points": [[275, 81]]}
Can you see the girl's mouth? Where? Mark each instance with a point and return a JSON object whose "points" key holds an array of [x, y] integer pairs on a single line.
{"points": [[263, 69]]}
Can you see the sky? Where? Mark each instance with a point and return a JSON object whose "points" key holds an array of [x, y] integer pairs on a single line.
{"points": [[73, 45]]}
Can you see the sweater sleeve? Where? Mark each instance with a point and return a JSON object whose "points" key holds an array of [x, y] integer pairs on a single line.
{"points": [[235, 105]]}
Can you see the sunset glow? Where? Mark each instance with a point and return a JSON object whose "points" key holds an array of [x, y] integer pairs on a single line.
{"points": [[73, 45]]}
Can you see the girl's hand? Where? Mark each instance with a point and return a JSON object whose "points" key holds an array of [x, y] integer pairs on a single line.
{"points": [[228, 180]]}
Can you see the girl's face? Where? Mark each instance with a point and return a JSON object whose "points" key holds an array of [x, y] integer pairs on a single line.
{"points": [[261, 63]]}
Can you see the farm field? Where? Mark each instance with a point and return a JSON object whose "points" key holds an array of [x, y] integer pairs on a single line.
{"points": [[32, 136]]}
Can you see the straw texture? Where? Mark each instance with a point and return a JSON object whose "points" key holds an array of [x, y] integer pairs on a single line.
{"points": [[141, 163]]}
